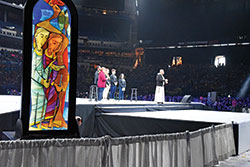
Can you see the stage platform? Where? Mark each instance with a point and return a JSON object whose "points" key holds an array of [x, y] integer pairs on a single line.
{"points": [[130, 118], [89, 110], [138, 123], [10, 108], [191, 115], [11, 103], [85, 101]]}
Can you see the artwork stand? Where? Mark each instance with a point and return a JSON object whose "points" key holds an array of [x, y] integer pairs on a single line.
{"points": [[49, 70]]}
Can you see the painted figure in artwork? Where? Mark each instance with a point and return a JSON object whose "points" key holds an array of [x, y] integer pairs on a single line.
{"points": [[50, 61], [37, 78], [50, 69]]}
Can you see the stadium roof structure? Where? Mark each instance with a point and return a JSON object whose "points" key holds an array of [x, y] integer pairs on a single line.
{"points": [[20, 6]]}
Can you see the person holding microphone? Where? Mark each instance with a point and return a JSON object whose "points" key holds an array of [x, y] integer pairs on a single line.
{"points": [[159, 91]]}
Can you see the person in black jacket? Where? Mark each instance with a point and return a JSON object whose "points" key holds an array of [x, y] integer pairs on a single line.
{"points": [[122, 86], [97, 74], [159, 91], [113, 81]]}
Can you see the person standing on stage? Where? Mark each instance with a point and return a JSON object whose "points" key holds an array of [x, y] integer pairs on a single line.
{"points": [[122, 86], [159, 91], [113, 80], [97, 74], [106, 89], [101, 83]]}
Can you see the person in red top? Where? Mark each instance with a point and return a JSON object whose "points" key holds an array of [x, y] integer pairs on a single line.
{"points": [[234, 104], [101, 83]]}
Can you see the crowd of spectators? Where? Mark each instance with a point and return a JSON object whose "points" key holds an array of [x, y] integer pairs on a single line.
{"points": [[220, 104], [194, 79], [10, 72], [15, 43], [114, 60], [228, 103]]}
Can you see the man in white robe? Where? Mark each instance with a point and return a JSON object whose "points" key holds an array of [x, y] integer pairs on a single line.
{"points": [[159, 91]]}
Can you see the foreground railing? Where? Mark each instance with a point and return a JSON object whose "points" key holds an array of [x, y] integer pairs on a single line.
{"points": [[204, 147]]}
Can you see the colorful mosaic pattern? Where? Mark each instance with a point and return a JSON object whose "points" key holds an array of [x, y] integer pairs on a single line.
{"points": [[50, 66]]}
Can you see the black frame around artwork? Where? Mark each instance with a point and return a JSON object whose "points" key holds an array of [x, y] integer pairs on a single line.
{"points": [[72, 130]]}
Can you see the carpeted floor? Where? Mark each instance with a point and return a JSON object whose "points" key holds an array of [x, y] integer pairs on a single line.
{"points": [[242, 160]]}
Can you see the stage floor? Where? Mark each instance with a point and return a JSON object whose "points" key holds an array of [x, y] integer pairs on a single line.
{"points": [[242, 160], [191, 115], [10, 103], [85, 101]]}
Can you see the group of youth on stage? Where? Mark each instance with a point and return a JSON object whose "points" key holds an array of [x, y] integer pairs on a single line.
{"points": [[107, 84]]}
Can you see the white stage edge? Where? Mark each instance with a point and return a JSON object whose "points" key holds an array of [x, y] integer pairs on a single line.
{"points": [[10, 103], [118, 102]]}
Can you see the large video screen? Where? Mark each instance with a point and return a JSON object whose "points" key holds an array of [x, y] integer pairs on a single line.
{"points": [[50, 74]]}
